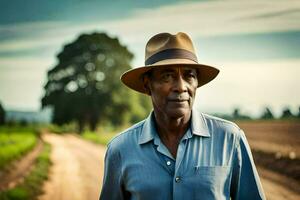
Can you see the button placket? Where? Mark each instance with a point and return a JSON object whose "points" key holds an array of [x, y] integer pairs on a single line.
{"points": [[180, 154]]}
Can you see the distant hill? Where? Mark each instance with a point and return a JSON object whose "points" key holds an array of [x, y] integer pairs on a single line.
{"points": [[43, 116]]}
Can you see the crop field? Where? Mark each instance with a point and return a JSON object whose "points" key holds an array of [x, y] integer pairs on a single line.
{"points": [[275, 145], [15, 144]]}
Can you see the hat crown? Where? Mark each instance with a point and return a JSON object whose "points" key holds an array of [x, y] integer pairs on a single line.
{"points": [[164, 41]]}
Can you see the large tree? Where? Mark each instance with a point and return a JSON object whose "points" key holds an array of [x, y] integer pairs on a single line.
{"points": [[85, 84]]}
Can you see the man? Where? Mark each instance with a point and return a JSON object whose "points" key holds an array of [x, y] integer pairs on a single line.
{"points": [[177, 152]]}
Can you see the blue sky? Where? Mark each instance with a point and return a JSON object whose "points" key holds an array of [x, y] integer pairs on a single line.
{"points": [[256, 45]]}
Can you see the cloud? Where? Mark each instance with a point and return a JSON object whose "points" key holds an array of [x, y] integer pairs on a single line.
{"points": [[24, 38], [32, 27], [288, 13], [252, 86], [22, 80], [24, 62], [199, 19], [21, 45], [214, 18]]}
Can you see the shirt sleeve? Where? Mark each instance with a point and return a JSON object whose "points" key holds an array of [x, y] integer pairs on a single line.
{"points": [[245, 183], [112, 186]]}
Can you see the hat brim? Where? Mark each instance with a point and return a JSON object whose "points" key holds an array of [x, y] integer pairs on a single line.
{"points": [[133, 77]]}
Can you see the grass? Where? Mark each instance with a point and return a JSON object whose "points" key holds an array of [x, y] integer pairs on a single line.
{"points": [[67, 128], [32, 185], [103, 134], [15, 144], [21, 129], [98, 138]]}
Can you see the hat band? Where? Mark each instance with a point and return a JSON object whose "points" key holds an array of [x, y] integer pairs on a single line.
{"points": [[171, 54]]}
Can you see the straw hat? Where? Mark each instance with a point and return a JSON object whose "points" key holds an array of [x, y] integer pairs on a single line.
{"points": [[165, 49]]}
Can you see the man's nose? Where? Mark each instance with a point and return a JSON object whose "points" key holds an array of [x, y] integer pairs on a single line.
{"points": [[180, 84]]}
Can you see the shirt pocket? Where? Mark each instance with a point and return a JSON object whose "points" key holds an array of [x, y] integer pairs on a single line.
{"points": [[211, 170], [211, 182]]}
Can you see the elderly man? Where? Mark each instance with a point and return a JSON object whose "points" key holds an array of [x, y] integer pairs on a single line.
{"points": [[177, 152]]}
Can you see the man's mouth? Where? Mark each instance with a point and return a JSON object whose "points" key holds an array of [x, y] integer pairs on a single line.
{"points": [[179, 98]]}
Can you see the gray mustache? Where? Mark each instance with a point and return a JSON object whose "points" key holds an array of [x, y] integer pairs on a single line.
{"points": [[179, 98]]}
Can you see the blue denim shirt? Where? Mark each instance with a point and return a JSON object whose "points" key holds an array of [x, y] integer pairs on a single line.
{"points": [[213, 161]]}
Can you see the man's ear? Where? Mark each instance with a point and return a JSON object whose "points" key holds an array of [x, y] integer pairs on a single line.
{"points": [[146, 84]]}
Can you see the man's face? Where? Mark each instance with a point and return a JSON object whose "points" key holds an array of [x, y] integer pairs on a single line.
{"points": [[173, 90]]}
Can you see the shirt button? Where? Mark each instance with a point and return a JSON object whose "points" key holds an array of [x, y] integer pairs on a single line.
{"points": [[177, 179], [169, 163]]}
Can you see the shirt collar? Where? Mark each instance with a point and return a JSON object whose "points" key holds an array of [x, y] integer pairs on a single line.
{"points": [[198, 127], [148, 130]]}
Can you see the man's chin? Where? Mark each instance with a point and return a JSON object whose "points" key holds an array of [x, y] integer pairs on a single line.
{"points": [[179, 112]]}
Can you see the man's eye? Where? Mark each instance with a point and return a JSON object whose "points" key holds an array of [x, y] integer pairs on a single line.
{"points": [[190, 75], [166, 77]]}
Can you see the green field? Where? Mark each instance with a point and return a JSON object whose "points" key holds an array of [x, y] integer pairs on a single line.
{"points": [[32, 185], [14, 144]]}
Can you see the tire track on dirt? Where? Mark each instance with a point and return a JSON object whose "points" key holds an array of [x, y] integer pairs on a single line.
{"points": [[77, 168], [277, 186]]}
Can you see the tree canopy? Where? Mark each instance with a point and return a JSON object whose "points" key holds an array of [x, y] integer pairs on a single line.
{"points": [[267, 114], [236, 115], [85, 84], [286, 113]]}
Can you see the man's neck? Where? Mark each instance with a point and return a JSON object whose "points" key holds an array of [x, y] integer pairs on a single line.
{"points": [[171, 128]]}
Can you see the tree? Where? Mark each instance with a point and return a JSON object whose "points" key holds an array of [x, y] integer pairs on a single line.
{"points": [[267, 114], [2, 115], [85, 84], [286, 113], [236, 115]]}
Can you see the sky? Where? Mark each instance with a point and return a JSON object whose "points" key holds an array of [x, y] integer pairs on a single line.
{"points": [[255, 44]]}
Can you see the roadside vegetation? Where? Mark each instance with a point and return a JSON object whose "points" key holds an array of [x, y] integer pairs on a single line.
{"points": [[98, 137], [15, 143], [103, 134], [66, 128], [32, 185]]}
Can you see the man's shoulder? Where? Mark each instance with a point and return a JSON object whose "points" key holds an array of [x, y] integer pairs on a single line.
{"points": [[127, 136], [224, 125]]}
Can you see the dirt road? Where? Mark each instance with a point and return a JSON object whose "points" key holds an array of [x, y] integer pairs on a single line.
{"points": [[77, 172], [278, 187], [77, 169]]}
